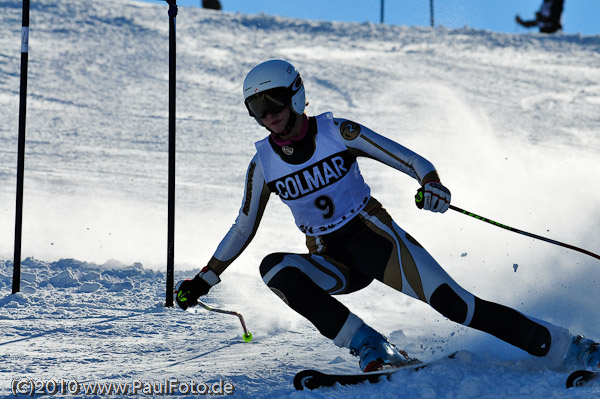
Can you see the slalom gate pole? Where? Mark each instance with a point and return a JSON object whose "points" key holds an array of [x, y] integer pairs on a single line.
{"points": [[562, 244], [172, 142], [16, 285], [247, 334]]}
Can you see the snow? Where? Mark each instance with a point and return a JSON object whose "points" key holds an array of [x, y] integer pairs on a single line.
{"points": [[510, 121]]}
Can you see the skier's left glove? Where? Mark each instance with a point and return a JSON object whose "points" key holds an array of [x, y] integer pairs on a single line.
{"points": [[433, 197], [189, 291]]}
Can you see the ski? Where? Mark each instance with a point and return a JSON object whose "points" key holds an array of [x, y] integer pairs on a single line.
{"points": [[313, 379], [583, 378]]}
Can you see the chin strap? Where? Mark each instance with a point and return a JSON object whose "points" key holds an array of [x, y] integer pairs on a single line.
{"points": [[288, 127], [303, 131]]}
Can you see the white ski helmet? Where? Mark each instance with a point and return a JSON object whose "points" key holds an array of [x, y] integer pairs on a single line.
{"points": [[271, 86]]}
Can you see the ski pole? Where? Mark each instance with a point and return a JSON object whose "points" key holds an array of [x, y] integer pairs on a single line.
{"points": [[419, 203], [247, 337], [562, 244]]}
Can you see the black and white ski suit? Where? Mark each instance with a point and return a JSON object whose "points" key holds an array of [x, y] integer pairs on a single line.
{"points": [[352, 240]]}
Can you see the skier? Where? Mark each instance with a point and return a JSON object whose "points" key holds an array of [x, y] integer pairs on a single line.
{"points": [[311, 164], [547, 18]]}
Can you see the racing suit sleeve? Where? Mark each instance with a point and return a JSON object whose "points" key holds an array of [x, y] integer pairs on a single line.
{"points": [[241, 233], [362, 141]]}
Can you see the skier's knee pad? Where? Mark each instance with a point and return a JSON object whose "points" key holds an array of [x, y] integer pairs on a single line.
{"points": [[270, 261], [449, 304]]}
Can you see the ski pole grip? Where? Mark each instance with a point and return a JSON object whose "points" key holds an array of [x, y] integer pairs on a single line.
{"points": [[419, 198]]}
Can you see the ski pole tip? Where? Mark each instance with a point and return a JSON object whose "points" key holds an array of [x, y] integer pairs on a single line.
{"points": [[247, 337]]}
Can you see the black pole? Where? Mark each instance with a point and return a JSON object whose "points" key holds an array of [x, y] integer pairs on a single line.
{"points": [[562, 244], [16, 287], [431, 12], [381, 15], [419, 201], [172, 142]]}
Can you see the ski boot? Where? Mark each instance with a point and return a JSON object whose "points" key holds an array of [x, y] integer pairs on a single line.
{"points": [[376, 352], [583, 353]]}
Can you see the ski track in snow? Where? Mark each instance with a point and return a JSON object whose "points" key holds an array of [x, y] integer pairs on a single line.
{"points": [[510, 121]]}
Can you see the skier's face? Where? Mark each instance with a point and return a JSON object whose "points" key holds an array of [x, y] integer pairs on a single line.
{"points": [[277, 122]]}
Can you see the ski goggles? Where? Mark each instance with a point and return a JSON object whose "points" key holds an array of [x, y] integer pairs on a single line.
{"points": [[268, 102]]}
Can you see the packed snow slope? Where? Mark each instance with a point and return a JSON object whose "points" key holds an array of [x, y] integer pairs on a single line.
{"points": [[512, 123]]}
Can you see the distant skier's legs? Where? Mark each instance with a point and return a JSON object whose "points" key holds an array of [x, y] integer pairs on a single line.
{"points": [[547, 18]]}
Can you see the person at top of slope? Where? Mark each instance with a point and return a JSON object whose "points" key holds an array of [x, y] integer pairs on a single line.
{"points": [[311, 164], [547, 19]]}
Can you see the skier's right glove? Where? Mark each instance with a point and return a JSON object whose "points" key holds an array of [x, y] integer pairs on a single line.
{"points": [[189, 291]]}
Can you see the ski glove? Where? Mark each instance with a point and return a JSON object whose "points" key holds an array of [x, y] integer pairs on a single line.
{"points": [[433, 197], [190, 290]]}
